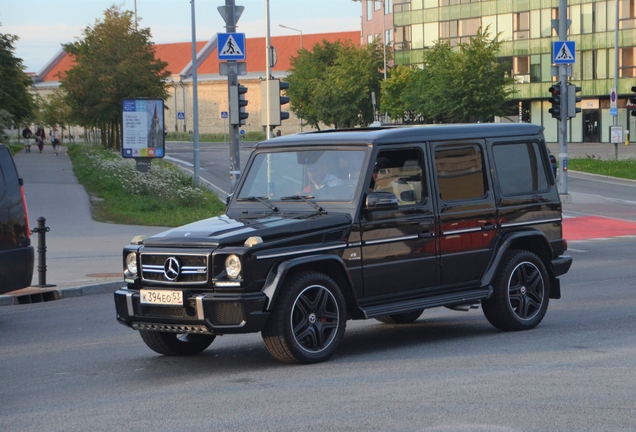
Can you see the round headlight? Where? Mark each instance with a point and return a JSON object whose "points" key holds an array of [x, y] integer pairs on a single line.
{"points": [[233, 266], [131, 265]]}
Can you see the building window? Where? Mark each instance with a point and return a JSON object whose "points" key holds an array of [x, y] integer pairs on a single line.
{"points": [[370, 10], [522, 25], [522, 66], [459, 31], [587, 65], [626, 65], [402, 38], [626, 14], [600, 17], [388, 6], [401, 6], [600, 63]]}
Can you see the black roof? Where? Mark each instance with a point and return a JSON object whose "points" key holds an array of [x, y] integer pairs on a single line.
{"points": [[397, 134]]}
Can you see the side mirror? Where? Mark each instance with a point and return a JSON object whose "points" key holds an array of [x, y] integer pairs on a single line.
{"points": [[228, 199], [381, 201]]}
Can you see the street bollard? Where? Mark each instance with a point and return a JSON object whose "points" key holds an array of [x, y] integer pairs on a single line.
{"points": [[41, 230]]}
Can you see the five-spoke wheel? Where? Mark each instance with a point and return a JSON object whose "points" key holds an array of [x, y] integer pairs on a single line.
{"points": [[307, 321], [521, 293]]}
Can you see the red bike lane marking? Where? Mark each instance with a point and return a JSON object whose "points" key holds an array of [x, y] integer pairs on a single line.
{"points": [[592, 227]]}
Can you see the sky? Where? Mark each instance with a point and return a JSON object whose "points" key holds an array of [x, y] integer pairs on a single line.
{"points": [[43, 25]]}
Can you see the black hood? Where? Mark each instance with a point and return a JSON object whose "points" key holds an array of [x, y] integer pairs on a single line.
{"points": [[226, 231]]}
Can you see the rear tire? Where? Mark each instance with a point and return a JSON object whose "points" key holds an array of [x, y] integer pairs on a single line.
{"points": [[521, 292], [307, 321], [402, 318], [174, 344]]}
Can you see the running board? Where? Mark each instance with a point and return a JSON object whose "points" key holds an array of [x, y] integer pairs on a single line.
{"points": [[427, 302]]}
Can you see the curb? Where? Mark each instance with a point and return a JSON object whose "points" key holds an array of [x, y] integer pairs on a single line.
{"points": [[60, 293]]}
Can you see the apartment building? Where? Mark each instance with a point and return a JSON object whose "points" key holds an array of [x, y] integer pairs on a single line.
{"points": [[525, 27]]}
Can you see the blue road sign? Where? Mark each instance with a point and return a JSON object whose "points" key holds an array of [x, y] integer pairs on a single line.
{"points": [[563, 52], [224, 114], [242, 132], [180, 115], [231, 46]]}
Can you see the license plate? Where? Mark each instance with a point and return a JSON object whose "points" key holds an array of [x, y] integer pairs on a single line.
{"points": [[161, 297]]}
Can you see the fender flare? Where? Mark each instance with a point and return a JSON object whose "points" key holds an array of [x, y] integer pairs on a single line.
{"points": [[278, 273], [504, 245]]}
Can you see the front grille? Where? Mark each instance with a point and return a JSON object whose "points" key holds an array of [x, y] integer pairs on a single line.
{"points": [[173, 312], [193, 268], [224, 313]]}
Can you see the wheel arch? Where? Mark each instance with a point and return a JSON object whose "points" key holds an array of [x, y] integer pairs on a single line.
{"points": [[532, 241], [330, 265]]}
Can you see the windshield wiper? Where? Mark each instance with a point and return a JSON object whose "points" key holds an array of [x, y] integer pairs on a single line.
{"points": [[305, 198], [259, 199]]}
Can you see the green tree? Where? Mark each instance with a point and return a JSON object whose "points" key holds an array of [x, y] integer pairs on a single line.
{"points": [[332, 84], [113, 61], [456, 85], [396, 94], [15, 98], [54, 110]]}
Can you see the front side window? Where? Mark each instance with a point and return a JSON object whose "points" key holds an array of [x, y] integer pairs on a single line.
{"points": [[322, 175], [400, 172], [460, 172], [520, 169]]}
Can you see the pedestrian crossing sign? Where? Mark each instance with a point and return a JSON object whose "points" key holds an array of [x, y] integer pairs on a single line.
{"points": [[231, 46], [563, 52]]}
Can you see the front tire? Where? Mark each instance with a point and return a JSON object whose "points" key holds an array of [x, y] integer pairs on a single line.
{"points": [[401, 318], [307, 321], [521, 293], [174, 344]]}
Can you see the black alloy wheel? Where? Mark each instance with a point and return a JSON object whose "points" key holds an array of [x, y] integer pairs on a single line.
{"points": [[307, 321], [521, 293]]}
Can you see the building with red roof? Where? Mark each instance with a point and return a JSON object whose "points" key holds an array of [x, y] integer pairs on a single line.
{"points": [[212, 87]]}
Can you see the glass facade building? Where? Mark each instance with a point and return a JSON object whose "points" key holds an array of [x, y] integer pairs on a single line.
{"points": [[525, 28]]}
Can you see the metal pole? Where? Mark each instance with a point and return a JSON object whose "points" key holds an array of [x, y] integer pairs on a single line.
{"points": [[563, 78], [615, 120], [195, 98], [232, 80], [267, 68], [384, 36], [183, 96], [176, 127], [300, 119]]}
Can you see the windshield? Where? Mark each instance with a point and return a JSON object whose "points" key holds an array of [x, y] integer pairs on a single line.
{"points": [[331, 175]]}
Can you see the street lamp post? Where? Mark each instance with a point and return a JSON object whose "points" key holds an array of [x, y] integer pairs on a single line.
{"points": [[301, 47], [299, 31]]}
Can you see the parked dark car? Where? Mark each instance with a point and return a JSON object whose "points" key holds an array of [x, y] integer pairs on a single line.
{"points": [[16, 252], [354, 224]]}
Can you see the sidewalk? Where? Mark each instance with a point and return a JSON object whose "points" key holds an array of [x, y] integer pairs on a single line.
{"points": [[82, 255]]}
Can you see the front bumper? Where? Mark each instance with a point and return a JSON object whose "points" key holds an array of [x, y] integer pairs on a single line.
{"points": [[206, 313]]}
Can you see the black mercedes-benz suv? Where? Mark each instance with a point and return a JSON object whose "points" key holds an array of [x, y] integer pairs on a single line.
{"points": [[16, 252], [354, 224]]}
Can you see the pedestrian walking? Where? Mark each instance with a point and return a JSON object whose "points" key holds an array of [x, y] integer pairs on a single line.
{"points": [[55, 140], [26, 134], [40, 136]]}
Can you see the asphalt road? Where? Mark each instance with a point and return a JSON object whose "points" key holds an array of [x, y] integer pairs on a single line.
{"points": [[68, 366]]}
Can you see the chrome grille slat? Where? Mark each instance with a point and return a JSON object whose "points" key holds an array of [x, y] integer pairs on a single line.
{"points": [[194, 268]]}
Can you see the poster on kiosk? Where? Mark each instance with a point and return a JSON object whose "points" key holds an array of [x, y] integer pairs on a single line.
{"points": [[143, 128]]}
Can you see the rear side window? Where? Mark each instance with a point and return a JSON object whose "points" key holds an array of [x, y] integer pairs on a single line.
{"points": [[520, 168], [460, 172]]}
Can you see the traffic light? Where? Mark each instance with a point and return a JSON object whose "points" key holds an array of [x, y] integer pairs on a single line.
{"points": [[238, 115], [632, 100], [273, 87], [555, 100], [573, 99]]}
